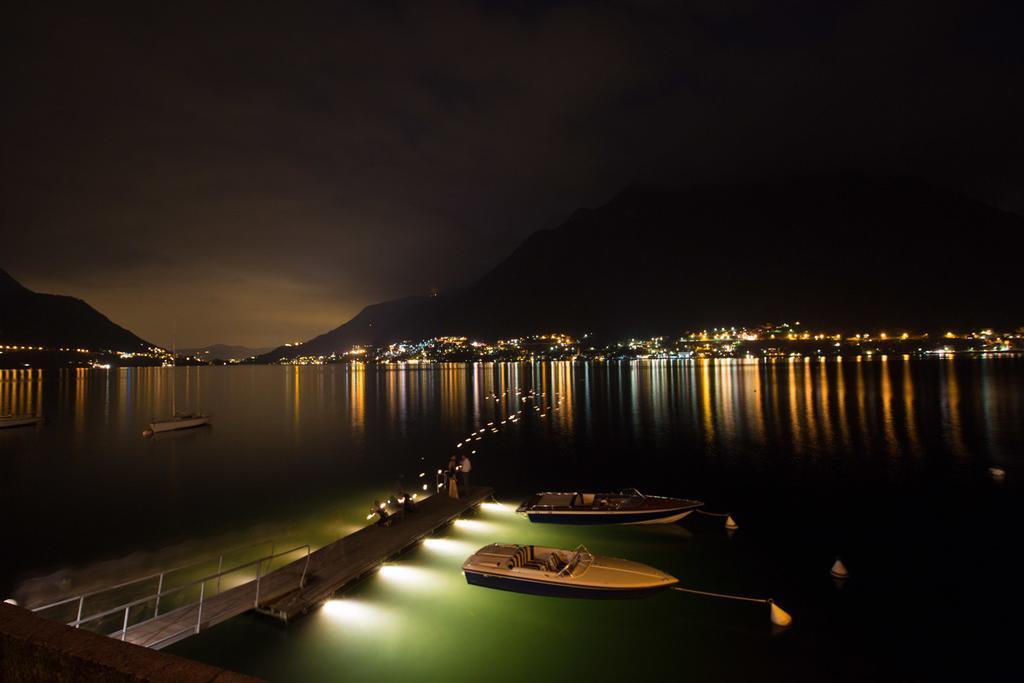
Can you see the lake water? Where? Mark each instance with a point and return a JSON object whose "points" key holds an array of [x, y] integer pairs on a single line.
{"points": [[883, 462]]}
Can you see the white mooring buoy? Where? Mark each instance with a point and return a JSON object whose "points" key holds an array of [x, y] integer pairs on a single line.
{"points": [[839, 570], [11, 601], [780, 617], [997, 473], [730, 523]]}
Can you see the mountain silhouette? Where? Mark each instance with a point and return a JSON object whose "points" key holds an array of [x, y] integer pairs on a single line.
{"points": [[55, 321], [841, 253]]}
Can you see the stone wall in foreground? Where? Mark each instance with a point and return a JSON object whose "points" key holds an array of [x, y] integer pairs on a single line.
{"points": [[37, 649]]}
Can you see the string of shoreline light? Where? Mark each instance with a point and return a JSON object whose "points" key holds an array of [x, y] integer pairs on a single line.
{"points": [[524, 396]]}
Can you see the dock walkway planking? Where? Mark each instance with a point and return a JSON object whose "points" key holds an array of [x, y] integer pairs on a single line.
{"points": [[342, 562], [331, 568]]}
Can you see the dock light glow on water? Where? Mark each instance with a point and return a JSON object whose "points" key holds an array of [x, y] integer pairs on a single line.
{"points": [[408, 576], [448, 546], [474, 526], [359, 614]]}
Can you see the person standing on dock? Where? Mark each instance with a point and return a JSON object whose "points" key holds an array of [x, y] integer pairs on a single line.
{"points": [[452, 475], [382, 511], [466, 466]]}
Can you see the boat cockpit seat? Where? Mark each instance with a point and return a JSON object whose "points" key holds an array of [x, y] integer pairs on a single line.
{"points": [[523, 557], [554, 563]]}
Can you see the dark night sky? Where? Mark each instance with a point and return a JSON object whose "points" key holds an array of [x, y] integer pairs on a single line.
{"points": [[259, 173]]}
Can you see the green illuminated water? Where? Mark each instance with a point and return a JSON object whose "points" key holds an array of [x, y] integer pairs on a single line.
{"points": [[417, 618]]}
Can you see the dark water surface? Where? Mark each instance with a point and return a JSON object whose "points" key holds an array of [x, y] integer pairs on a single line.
{"points": [[884, 462]]}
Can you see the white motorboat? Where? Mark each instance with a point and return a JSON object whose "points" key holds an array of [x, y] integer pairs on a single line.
{"points": [[624, 507], [19, 420], [562, 573]]}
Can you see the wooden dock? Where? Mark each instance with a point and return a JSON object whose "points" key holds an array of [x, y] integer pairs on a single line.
{"points": [[331, 568], [336, 565]]}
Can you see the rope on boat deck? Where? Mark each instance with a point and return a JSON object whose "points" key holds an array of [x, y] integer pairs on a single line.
{"points": [[779, 616]]}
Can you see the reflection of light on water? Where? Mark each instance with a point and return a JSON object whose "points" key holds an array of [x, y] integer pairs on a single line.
{"points": [[353, 612], [405, 575], [495, 507], [474, 525], [447, 546]]}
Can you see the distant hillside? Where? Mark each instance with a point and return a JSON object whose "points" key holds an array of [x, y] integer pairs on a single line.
{"points": [[838, 252], [54, 321], [223, 352], [414, 317]]}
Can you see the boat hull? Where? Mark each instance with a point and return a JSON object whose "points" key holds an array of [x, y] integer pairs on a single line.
{"points": [[172, 425], [553, 590], [6, 422], [610, 517]]}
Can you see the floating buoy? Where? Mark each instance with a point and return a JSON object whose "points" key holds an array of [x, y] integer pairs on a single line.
{"points": [[730, 523], [147, 432], [839, 570], [11, 601], [998, 473], [780, 617]]}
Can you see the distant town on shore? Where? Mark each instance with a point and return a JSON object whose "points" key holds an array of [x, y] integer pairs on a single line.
{"points": [[769, 341]]}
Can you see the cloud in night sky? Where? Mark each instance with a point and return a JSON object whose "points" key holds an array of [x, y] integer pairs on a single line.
{"points": [[260, 172]]}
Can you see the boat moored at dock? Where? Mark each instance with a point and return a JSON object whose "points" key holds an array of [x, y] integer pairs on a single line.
{"points": [[555, 572], [624, 507]]}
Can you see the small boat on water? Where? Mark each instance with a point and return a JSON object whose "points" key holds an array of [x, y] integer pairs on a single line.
{"points": [[18, 420], [179, 421], [625, 507], [540, 570]]}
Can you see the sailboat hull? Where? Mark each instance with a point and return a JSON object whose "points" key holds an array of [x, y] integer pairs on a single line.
{"points": [[18, 421], [179, 423]]}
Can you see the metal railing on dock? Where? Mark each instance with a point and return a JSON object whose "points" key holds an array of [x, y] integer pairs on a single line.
{"points": [[155, 598], [160, 577], [284, 592]]}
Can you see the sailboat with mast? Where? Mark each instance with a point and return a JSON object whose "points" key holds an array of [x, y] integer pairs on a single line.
{"points": [[177, 420]]}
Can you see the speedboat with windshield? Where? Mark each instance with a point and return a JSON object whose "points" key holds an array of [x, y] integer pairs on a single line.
{"points": [[578, 573], [628, 506]]}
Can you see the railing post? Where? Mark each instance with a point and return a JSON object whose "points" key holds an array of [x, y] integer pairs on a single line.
{"points": [[202, 594], [220, 567], [124, 626], [159, 590], [81, 603], [259, 563], [302, 579]]}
